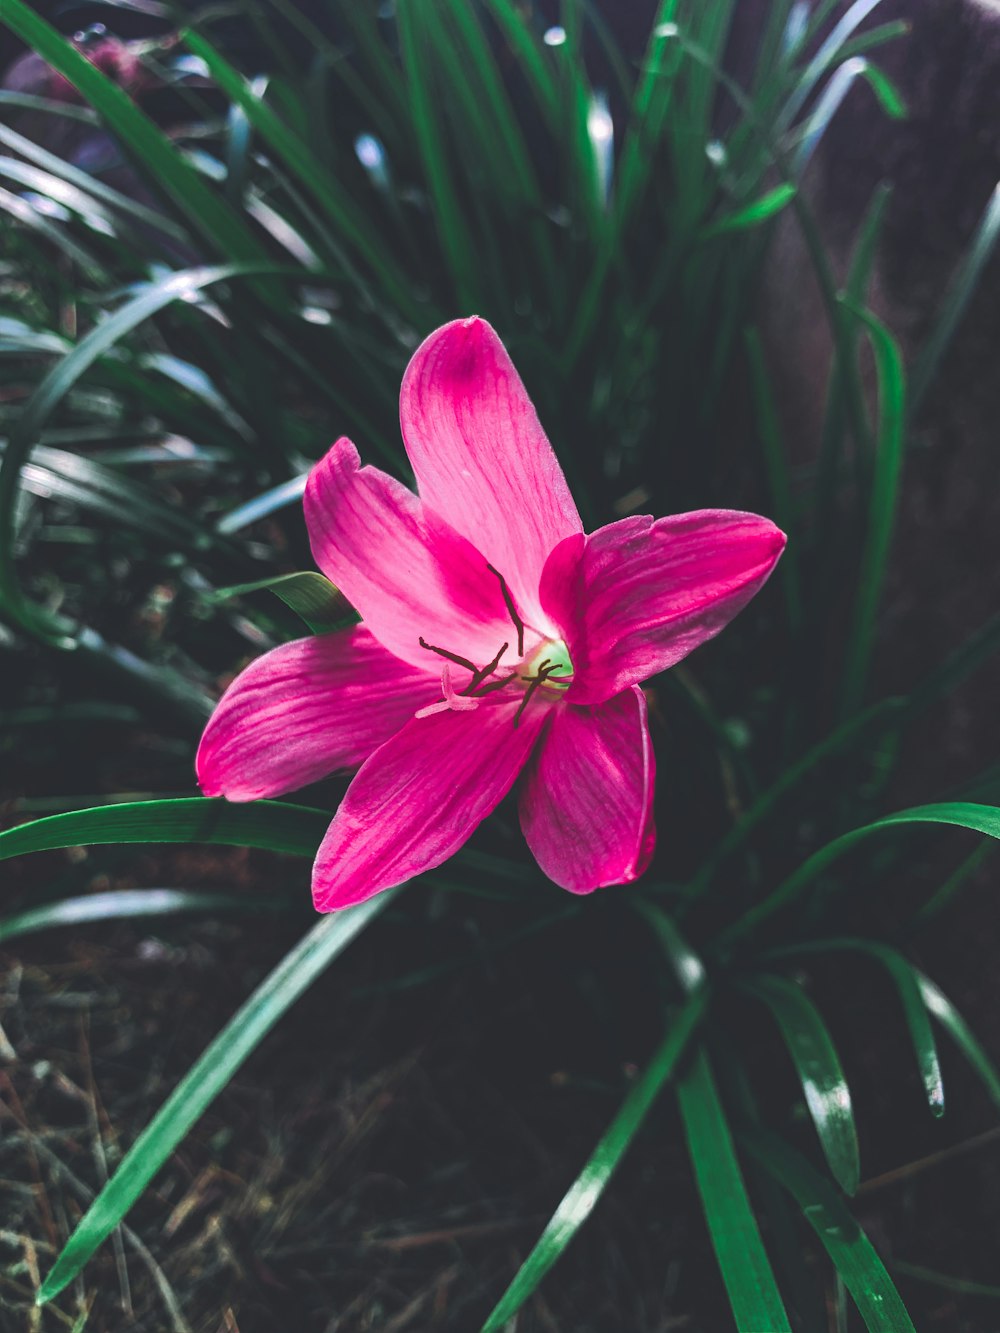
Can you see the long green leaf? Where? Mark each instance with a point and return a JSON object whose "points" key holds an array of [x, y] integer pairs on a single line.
{"points": [[961, 1034], [125, 904], [790, 780], [582, 1196], [852, 1253], [957, 814], [746, 1269], [963, 285], [882, 509], [203, 1082], [818, 1066], [753, 214], [275, 825], [308, 594], [905, 978]]}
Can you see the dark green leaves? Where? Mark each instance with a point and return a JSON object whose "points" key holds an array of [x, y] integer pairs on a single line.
{"points": [[818, 1067], [583, 1195], [309, 595], [850, 1250], [279, 827], [743, 1261]]}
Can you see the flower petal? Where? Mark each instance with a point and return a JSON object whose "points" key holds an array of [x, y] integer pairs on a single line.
{"points": [[418, 798], [587, 800], [305, 709], [480, 456], [645, 593], [402, 567]]}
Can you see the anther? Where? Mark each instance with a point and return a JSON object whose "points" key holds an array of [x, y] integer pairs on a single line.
{"points": [[516, 620]]}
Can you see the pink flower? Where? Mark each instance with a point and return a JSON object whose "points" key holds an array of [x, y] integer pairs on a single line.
{"points": [[498, 642]]}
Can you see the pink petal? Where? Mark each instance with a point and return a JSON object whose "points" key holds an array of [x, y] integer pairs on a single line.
{"points": [[303, 710], [403, 568], [481, 458], [418, 798], [644, 593], [587, 800]]}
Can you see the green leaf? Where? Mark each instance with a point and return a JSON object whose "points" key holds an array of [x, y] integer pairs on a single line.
{"points": [[778, 470], [961, 1034], [581, 1198], [456, 242], [962, 1285], [121, 203], [851, 1252], [285, 493], [275, 825], [957, 814], [963, 285], [905, 978], [753, 214], [790, 780], [310, 596], [882, 509], [820, 1073], [205, 1080], [743, 1261], [122, 904]]}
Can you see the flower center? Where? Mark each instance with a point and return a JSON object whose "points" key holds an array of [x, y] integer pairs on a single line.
{"points": [[552, 662], [548, 667]]}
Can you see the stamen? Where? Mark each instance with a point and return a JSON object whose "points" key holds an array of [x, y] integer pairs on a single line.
{"points": [[452, 657], [492, 685], [516, 620], [533, 683], [480, 674]]}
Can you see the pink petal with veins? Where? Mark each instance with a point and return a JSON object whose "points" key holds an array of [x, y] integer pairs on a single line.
{"points": [[481, 458], [303, 710], [643, 593], [404, 569], [420, 797], [586, 802]]}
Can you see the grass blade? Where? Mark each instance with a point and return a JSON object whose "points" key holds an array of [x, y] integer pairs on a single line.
{"points": [[753, 214], [957, 814], [275, 825], [963, 286], [851, 1252], [961, 1034], [582, 1196], [308, 594], [905, 978], [746, 1269], [206, 1078], [125, 904], [882, 508], [819, 1069]]}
